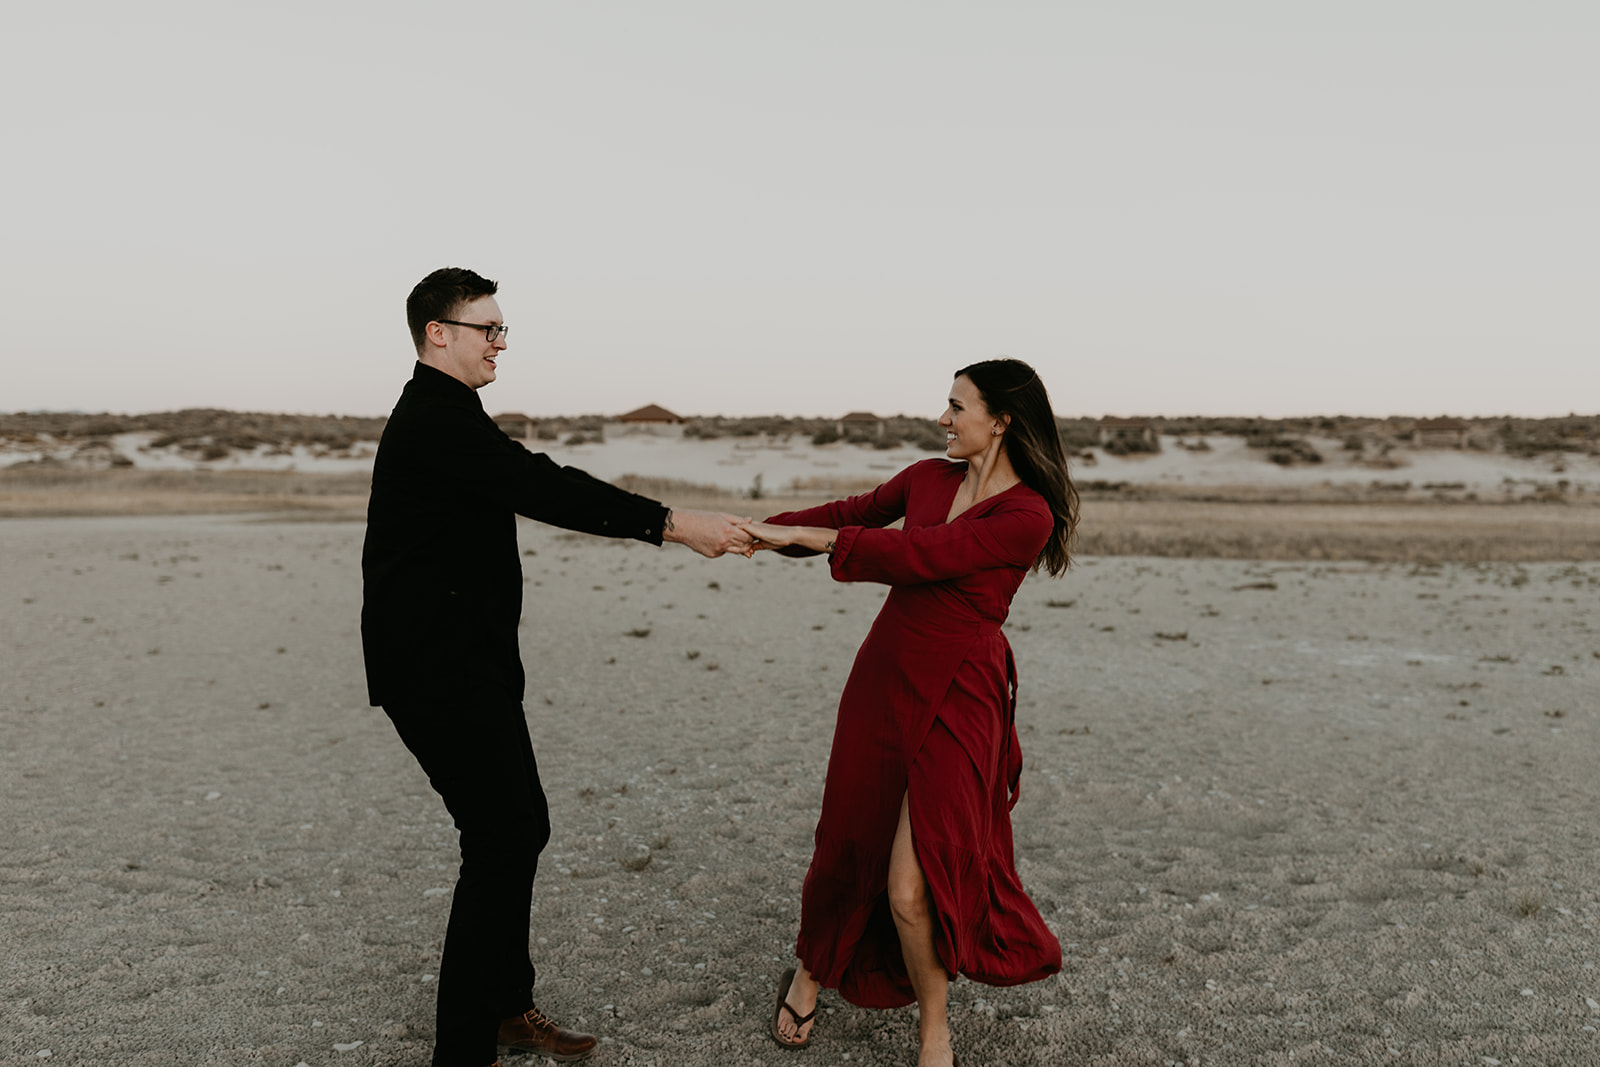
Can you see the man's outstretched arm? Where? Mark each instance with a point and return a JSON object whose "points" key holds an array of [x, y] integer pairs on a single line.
{"points": [[710, 533]]}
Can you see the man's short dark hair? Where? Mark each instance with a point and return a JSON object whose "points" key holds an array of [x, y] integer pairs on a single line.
{"points": [[442, 295]]}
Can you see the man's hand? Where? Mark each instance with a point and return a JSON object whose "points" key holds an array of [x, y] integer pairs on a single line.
{"points": [[710, 533]]}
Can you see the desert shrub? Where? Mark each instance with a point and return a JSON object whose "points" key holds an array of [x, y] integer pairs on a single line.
{"points": [[1287, 451], [100, 426], [1129, 445], [245, 440], [215, 450], [1528, 437], [825, 436], [577, 438], [1078, 434], [701, 429], [926, 435], [547, 433], [771, 425]]}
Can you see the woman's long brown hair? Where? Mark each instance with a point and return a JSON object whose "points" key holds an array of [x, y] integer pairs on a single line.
{"points": [[1033, 444]]}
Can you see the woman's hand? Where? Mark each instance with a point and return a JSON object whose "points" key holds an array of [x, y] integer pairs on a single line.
{"points": [[770, 535]]}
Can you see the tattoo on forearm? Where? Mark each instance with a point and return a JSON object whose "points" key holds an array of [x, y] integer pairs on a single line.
{"points": [[828, 548], [670, 527]]}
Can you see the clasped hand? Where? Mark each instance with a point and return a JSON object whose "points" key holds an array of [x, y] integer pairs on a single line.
{"points": [[714, 533], [766, 535], [710, 533]]}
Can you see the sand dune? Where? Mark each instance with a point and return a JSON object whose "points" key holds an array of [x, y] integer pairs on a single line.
{"points": [[1342, 813]]}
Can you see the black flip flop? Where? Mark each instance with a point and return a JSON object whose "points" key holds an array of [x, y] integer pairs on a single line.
{"points": [[784, 982]]}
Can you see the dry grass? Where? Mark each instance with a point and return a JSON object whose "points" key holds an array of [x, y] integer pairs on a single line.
{"points": [[1529, 902], [711, 498], [37, 493], [1412, 531]]}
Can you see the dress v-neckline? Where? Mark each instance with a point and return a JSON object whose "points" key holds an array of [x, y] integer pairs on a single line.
{"points": [[949, 518]]}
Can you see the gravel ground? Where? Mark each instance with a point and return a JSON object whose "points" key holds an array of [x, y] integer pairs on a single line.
{"points": [[1277, 813]]}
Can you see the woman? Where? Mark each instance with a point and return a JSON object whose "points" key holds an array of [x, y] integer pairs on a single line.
{"points": [[913, 881]]}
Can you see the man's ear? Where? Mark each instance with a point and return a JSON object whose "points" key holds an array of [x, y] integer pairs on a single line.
{"points": [[433, 334]]}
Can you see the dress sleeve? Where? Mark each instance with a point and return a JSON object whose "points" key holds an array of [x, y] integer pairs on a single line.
{"points": [[1006, 537], [879, 507], [493, 467]]}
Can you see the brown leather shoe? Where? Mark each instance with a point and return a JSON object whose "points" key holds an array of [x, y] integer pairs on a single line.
{"points": [[533, 1031]]}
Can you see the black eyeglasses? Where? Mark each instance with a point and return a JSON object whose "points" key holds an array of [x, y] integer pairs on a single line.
{"points": [[490, 331]]}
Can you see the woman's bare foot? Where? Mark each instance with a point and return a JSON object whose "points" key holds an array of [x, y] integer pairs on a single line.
{"points": [[802, 999], [935, 1050], [935, 1045]]}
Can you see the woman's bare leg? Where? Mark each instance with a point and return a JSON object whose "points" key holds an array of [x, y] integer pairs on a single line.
{"points": [[803, 999], [913, 918]]}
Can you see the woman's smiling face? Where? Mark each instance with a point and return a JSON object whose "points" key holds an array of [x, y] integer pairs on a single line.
{"points": [[969, 429]]}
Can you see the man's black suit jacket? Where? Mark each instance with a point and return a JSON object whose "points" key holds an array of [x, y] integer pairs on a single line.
{"points": [[442, 576]]}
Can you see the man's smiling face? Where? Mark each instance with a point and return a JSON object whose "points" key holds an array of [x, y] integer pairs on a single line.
{"points": [[467, 355]]}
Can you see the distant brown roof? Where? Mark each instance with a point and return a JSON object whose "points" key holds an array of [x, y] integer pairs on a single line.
{"points": [[650, 413], [512, 416], [1445, 423], [860, 416]]}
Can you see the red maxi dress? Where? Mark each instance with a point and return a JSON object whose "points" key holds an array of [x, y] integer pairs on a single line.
{"points": [[928, 714]]}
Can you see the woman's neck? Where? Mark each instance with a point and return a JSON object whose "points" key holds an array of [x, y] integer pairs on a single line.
{"points": [[990, 472]]}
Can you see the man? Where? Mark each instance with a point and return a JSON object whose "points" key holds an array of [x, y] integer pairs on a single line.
{"points": [[443, 597]]}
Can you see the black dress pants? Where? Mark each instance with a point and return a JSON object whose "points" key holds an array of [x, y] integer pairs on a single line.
{"points": [[479, 759]]}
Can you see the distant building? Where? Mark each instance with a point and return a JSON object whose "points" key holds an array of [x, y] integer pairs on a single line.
{"points": [[1439, 433], [652, 413], [861, 421], [1114, 429], [515, 425]]}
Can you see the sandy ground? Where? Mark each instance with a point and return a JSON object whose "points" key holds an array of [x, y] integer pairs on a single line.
{"points": [[1277, 813]]}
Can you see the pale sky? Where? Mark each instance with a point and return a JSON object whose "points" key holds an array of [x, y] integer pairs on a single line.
{"points": [[751, 207]]}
